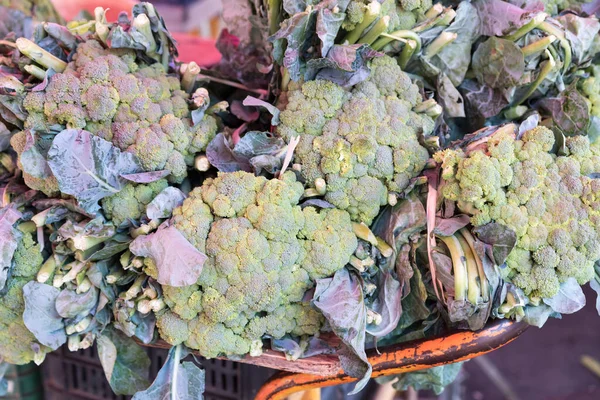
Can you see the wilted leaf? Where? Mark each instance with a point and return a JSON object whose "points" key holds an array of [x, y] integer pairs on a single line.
{"points": [[8, 241], [88, 167], [341, 301], [387, 304], [221, 156], [498, 63], [164, 203], [176, 380], [33, 161], [449, 226], [40, 315], [177, 261], [450, 97], [570, 298], [537, 315], [253, 101], [481, 102], [581, 33], [501, 238], [346, 65], [329, 23], [124, 362]]}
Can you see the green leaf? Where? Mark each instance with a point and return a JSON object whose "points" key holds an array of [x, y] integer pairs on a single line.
{"points": [[40, 315], [178, 262], [537, 315], [88, 167], [8, 241], [570, 298], [176, 380], [70, 304], [436, 378], [126, 365], [328, 25], [341, 301], [498, 63]]}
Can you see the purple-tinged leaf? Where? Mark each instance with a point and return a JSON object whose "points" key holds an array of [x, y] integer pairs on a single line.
{"points": [[499, 18], [8, 241], [329, 23], [88, 167], [164, 203], [253, 101], [569, 111], [449, 226], [246, 114], [33, 161], [317, 203], [178, 262], [221, 156], [146, 177], [40, 315], [341, 301]]}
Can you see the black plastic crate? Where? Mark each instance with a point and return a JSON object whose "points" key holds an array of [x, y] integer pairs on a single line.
{"points": [[79, 376]]}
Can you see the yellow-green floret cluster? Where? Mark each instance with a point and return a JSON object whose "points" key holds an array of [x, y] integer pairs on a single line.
{"points": [[265, 252], [551, 202], [17, 343], [363, 142], [137, 107]]}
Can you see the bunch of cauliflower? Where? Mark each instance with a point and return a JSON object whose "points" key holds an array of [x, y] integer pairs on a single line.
{"points": [[363, 142], [139, 108], [265, 252], [551, 202]]}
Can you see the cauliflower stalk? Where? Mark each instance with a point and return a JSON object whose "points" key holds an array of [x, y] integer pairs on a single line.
{"points": [[550, 201], [363, 142], [265, 252]]}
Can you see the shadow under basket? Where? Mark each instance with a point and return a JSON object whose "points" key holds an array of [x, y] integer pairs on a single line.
{"points": [[79, 376]]}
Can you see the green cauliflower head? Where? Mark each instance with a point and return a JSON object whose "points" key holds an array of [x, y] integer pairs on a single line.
{"points": [[264, 252], [130, 203], [549, 201], [138, 108], [363, 142], [17, 343]]}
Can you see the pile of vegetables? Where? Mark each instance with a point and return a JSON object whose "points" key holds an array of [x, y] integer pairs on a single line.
{"points": [[381, 171]]}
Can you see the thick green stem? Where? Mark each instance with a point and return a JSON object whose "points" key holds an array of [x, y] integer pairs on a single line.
{"points": [[409, 49], [459, 266], [403, 35], [434, 11], [547, 67], [443, 19], [425, 105], [274, 15], [485, 287], [142, 24], [47, 270], [188, 79], [473, 277], [564, 43], [373, 34], [515, 112], [36, 71], [372, 13], [363, 232], [538, 46], [39, 55], [444, 39], [528, 27]]}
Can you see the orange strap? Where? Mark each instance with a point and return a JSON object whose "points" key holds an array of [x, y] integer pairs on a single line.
{"points": [[404, 357]]}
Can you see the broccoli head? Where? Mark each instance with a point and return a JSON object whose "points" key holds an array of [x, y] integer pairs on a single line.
{"points": [[17, 343], [264, 252], [138, 108], [363, 142], [550, 201]]}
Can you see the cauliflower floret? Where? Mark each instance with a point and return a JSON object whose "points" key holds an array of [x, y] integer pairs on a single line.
{"points": [[130, 203], [264, 252], [363, 142]]}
